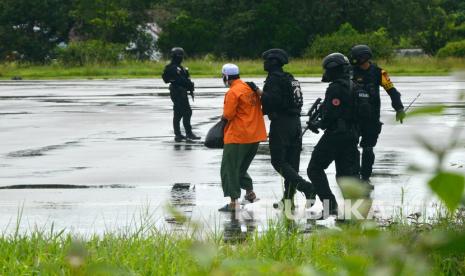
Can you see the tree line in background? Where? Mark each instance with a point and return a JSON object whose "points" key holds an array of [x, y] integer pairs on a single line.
{"points": [[83, 31]]}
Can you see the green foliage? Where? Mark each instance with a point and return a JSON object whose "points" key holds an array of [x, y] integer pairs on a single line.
{"points": [[437, 32], [269, 24], [90, 52], [30, 30], [405, 43], [246, 28], [453, 49], [427, 110], [142, 47], [346, 37], [240, 36], [449, 187], [195, 35], [115, 21], [281, 250], [208, 67]]}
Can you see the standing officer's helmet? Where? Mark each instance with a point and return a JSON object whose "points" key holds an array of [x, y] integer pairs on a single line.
{"points": [[335, 65], [278, 54], [359, 54], [177, 52], [333, 60]]}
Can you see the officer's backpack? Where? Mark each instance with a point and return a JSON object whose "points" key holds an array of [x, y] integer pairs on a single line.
{"points": [[362, 106]]}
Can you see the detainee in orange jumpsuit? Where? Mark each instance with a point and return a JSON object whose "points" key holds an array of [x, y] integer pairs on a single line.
{"points": [[242, 134]]}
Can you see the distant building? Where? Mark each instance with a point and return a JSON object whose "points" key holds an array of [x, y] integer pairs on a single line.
{"points": [[414, 52], [152, 29]]}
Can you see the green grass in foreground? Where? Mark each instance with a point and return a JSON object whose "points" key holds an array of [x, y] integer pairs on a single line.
{"points": [[205, 68], [358, 249]]}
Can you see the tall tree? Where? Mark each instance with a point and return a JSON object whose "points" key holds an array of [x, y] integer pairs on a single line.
{"points": [[30, 30], [115, 21]]}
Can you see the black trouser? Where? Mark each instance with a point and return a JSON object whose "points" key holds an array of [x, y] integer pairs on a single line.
{"points": [[182, 109], [369, 134], [338, 147], [285, 147]]}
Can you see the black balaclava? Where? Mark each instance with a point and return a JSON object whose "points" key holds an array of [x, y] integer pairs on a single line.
{"points": [[177, 59], [333, 74], [272, 65], [362, 59]]}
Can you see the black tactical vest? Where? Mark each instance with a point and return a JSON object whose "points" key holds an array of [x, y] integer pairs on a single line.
{"points": [[370, 81], [291, 94]]}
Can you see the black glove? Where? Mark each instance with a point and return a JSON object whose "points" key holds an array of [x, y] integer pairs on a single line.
{"points": [[314, 126], [191, 88], [252, 85]]}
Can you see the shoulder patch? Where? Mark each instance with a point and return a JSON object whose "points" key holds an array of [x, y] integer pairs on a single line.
{"points": [[385, 75], [386, 81], [336, 102]]}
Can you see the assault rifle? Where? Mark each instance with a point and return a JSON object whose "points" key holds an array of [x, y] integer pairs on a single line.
{"points": [[191, 92], [191, 89], [313, 114]]}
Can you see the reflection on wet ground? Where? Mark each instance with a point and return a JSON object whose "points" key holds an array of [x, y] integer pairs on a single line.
{"points": [[237, 227], [88, 155], [40, 151], [65, 186], [182, 197]]}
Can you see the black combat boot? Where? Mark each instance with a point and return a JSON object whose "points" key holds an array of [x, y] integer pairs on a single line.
{"points": [[288, 196], [179, 138], [192, 136], [285, 203], [308, 189]]}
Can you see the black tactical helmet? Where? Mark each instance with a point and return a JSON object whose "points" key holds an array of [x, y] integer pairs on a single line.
{"points": [[334, 60], [336, 65], [359, 54], [177, 51], [278, 54]]}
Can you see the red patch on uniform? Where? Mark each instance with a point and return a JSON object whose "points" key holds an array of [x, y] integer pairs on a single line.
{"points": [[336, 102]]}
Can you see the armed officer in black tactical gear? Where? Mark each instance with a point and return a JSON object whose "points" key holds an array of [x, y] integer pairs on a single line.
{"points": [[282, 102], [180, 84], [340, 138], [370, 77]]}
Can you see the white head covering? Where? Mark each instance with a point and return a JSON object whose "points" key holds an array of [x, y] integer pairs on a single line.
{"points": [[230, 69]]}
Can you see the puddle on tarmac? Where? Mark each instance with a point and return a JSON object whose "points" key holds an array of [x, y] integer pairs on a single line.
{"points": [[64, 186], [40, 151]]}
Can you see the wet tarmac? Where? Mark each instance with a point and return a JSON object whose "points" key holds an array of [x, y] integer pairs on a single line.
{"points": [[94, 156]]}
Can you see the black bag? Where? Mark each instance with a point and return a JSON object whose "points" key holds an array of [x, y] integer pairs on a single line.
{"points": [[215, 136]]}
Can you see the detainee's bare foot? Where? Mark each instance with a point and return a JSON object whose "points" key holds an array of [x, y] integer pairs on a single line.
{"points": [[230, 207], [250, 196]]}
